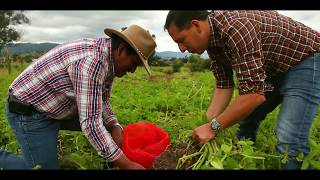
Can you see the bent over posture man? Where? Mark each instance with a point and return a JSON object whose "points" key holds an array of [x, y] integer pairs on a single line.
{"points": [[74, 81], [276, 60]]}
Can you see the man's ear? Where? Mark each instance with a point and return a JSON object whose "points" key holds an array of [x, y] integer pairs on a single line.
{"points": [[120, 49], [196, 23]]}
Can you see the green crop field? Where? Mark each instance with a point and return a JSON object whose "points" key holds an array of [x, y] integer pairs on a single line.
{"points": [[176, 102]]}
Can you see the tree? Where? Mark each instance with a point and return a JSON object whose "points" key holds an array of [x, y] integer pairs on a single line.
{"points": [[196, 63], [7, 33], [176, 65], [7, 59], [153, 60]]}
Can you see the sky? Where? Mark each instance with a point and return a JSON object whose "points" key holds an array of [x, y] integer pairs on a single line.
{"points": [[63, 26]]}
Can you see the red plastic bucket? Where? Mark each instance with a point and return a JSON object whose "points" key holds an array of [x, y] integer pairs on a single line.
{"points": [[143, 142]]}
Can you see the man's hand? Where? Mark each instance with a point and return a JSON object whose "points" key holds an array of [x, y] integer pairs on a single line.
{"points": [[124, 163], [116, 134], [203, 133]]}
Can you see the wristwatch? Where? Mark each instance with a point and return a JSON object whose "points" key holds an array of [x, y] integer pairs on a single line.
{"points": [[215, 125]]}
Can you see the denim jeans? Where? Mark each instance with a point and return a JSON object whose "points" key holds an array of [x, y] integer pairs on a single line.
{"points": [[37, 135], [299, 95]]}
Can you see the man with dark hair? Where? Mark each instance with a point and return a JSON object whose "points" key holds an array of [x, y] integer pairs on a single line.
{"points": [[74, 81], [276, 60]]}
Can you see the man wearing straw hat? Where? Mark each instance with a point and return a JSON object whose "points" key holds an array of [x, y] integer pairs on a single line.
{"points": [[74, 81]]}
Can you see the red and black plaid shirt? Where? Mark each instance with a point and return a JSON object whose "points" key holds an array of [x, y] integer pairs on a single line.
{"points": [[257, 45]]}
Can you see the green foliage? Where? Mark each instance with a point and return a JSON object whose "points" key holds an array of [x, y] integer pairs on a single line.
{"points": [[154, 59], [196, 63], [7, 59], [7, 32], [176, 65], [177, 103], [227, 152]]}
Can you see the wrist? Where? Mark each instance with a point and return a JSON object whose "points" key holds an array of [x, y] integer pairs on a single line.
{"points": [[215, 125], [114, 125]]}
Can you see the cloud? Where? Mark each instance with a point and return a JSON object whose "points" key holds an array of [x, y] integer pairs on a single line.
{"points": [[62, 26]]}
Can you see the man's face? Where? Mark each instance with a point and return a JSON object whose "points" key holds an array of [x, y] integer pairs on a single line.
{"points": [[124, 63], [191, 39]]}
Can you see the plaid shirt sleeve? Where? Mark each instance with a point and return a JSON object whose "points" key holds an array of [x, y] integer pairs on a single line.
{"points": [[87, 76], [223, 74], [108, 114], [243, 38]]}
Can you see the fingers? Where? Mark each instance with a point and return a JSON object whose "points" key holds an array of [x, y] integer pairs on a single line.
{"points": [[201, 142], [196, 137]]}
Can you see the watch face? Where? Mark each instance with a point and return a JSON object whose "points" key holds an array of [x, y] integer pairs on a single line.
{"points": [[215, 124]]}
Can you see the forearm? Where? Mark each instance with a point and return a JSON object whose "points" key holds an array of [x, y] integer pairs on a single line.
{"points": [[219, 102], [110, 124], [240, 109], [100, 138], [109, 119]]}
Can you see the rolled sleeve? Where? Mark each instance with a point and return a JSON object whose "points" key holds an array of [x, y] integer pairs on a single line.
{"points": [[108, 115], [101, 139]]}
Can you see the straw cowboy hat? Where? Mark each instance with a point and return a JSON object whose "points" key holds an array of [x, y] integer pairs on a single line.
{"points": [[140, 39]]}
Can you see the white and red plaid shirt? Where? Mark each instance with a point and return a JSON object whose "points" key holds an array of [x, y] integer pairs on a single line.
{"points": [[75, 77], [257, 45]]}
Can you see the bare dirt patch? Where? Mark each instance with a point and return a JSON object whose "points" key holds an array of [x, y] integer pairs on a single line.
{"points": [[168, 160]]}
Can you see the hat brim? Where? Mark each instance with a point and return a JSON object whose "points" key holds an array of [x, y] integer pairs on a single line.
{"points": [[110, 31]]}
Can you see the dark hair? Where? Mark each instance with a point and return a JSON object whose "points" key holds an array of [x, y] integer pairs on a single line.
{"points": [[182, 19], [116, 41]]}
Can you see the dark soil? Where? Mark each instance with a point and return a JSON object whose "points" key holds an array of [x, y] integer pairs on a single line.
{"points": [[168, 160]]}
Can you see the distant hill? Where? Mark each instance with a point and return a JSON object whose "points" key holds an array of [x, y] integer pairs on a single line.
{"points": [[30, 47], [43, 47]]}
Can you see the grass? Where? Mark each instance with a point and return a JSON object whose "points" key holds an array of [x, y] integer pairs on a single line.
{"points": [[176, 102]]}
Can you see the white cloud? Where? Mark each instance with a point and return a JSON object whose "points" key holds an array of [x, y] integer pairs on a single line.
{"points": [[62, 26]]}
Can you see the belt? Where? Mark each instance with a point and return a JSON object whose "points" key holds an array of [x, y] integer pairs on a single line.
{"points": [[19, 107]]}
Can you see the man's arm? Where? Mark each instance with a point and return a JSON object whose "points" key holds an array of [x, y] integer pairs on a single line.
{"points": [[220, 100], [240, 109]]}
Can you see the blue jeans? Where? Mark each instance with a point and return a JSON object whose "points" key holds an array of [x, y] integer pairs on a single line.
{"points": [[37, 135], [299, 95]]}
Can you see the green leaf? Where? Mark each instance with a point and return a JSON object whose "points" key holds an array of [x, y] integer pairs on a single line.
{"points": [[314, 145], [225, 148], [305, 165], [315, 164], [300, 157], [231, 163], [250, 142], [248, 151], [216, 164], [242, 143]]}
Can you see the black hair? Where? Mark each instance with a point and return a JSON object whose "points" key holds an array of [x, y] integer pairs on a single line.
{"points": [[116, 41], [182, 19]]}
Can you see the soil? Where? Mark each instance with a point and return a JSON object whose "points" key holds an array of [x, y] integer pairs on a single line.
{"points": [[168, 160]]}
